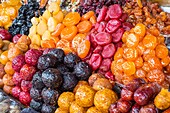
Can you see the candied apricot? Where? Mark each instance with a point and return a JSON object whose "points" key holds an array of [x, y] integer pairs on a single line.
{"points": [[155, 76], [48, 43], [4, 57], [139, 62], [148, 54], [116, 67], [118, 54], [124, 37], [140, 48], [71, 19], [132, 40], [84, 26], [5, 19], [63, 44], [58, 29], [161, 51], [13, 52], [146, 67], [130, 54], [129, 68], [69, 33], [154, 63], [77, 40], [83, 48], [8, 68], [11, 11], [165, 61], [140, 73], [150, 41], [161, 39], [88, 15], [140, 29]]}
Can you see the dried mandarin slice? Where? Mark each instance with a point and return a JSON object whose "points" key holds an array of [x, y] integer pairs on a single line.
{"points": [[146, 67], [165, 61], [155, 76], [161, 51], [54, 7], [93, 20], [130, 54], [67, 50], [140, 29], [132, 40], [148, 53], [129, 68], [140, 73], [4, 57], [59, 16], [71, 19], [69, 33], [88, 15], [154, 63], [118, 54], [139, 62], [41, 27], [48, 44], [55, 39], [77, 40], [84, 26], [83, 48], [46, 15], [58, 29], [63, 43], [150, 41], [52, 23], [140, 48]]}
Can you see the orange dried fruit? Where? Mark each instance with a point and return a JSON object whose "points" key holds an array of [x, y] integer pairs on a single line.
{"points": [[48, 43], [42, 27], [58, 29], [4, 57], [84, 26], [140, 29], [154, 63], [150, 41], [71, 19], [130, 54], [129, 68], [161, 51], [59, 16], [63, 44], [93, 19], [140, 73], [165, 61], [118, 54], [88, 15], [83, 48], [77, 40], [52, 23], [139, 62], [8, 68], [132, 40]]}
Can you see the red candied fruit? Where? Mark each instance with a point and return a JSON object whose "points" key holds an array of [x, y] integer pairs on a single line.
{"points": [[109, 75], [17, 79], [102, 14], [108, 51], [5, 35], [26, 85], [25, 98], [18, 62], [95, 61], [105, 65], [103, 38], [117, 36], [31, 56], [27, 72], [16, 38], [113, 25], [16, 91], [115, 11], [98, 49], [102, 26]]}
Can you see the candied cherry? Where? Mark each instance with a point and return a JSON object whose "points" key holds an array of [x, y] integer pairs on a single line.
{"points": [[101, 27], [98, 49], [102, 14], [115, 11], [140, 29], [132, 40], [84, 26], [108, 50], [129, 67], [69, 33], [105, 65], [113, 25], [95, 61], [161, 51], [103, 38], [117, 36], [150, 41], [130, 54], [71, 19], [16, 38]]}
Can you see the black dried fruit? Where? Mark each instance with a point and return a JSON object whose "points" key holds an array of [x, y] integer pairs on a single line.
{"points": [[70, 60], [69, 81], [46, 61], [47, 109], [50, 96], [36, 105], [82, 70], [28, 110], [37, 81], [58, 53], [52, 78], [35, 94], [62, 68]]}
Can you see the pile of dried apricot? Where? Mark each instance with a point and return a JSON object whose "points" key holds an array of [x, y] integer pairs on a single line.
{"points": [[143, 55]]}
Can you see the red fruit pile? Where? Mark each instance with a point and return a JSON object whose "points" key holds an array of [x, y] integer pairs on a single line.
{"points": [[106, 37], [24, 67]]}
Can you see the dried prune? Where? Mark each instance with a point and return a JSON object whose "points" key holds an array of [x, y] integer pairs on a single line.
{"points": [[47, 109], [62, 68], [58, 53], [50, 96], [18, 62], [82, 70], [35, 94], [46, 61], [28, 110], [52, 78], [70, 60], [36, 105], [37, 81], [69, 81]]}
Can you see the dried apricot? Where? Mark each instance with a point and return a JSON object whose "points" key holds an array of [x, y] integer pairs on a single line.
{"points": [[148, 53], [8, 68], [11, 11], [139, 62], [132, 40], [140, 48], [48, 43], [58, 29], [130, 54], [140, 73], [13, 52], [140, 29], [129, 67], [77, 40], [88, 15], [146, 67], [7, 80], [8, 89], [165, 61], [84, 26], [83, 48], [150, 41], [118, 54], [161, 51], [154, 63], [71, 19]]}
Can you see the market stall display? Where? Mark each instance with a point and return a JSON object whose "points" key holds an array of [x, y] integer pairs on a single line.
{"points": [[84, 56]]}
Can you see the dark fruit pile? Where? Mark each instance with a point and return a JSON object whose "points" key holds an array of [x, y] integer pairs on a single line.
{"points": [[95, 5], [106, 37], [22, 22], [24, 66], [57, 73], [136, 97]]}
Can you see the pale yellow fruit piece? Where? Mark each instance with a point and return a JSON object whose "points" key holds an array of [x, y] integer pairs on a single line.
{"points": [[36, 39], [41, 27], [32, 30], [54, 7], [52, 23], [46, 14], [41, 18], [35, 21], [46, 35], [59, 16]]}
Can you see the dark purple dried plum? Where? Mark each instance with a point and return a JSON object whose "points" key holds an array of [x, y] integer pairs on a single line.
{"points": [[46, 61], [37, 81], [36, 105], [28, 110], [35, 94], [69, 81], [82, 70], [62, 68], [58, 53], [70, 60], [50, 96], [47, 109], [52, 78]]}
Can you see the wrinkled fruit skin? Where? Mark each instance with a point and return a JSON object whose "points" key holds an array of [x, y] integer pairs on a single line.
{"points": [[58, 53], [46, 61], [28, 110], [17, 79], [25, 98], [35, 94], [52, 78], [27, 72], [36, 105], [47, 109], [18, 62], [5, 35], [62, 68], [37, 81], [82, 70], [26, 85], [32, 56], [16, 38], [16, 91]]}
